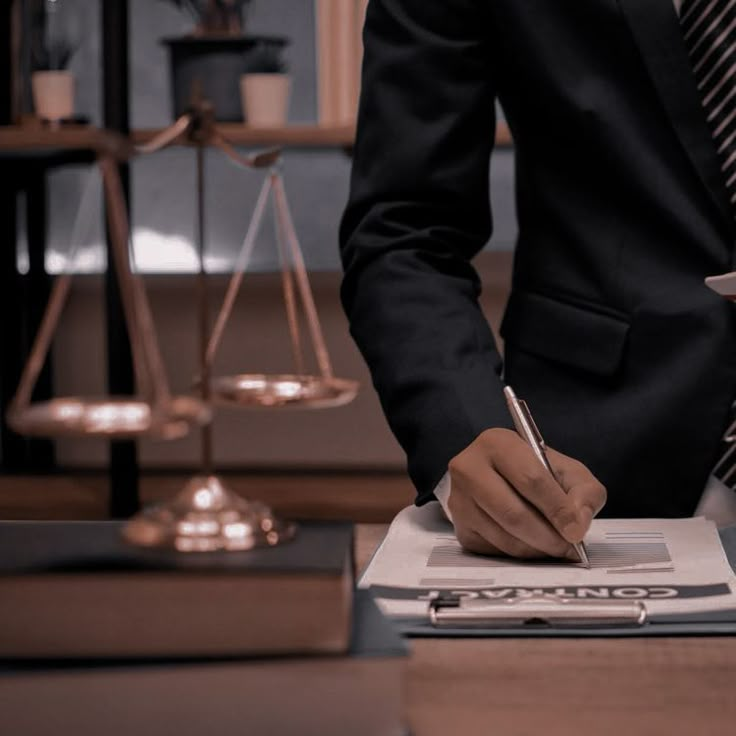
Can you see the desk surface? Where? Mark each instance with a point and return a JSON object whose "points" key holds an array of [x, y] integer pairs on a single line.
{"points": [[608, 686], [626, 687]]}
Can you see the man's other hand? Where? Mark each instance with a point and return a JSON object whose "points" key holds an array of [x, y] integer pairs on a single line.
{"points": [[504, 501]]}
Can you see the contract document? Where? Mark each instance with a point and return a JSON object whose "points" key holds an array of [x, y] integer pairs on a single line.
{"points": [[673, 566]]}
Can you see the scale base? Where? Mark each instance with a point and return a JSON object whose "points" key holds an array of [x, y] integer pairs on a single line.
{"points": [[206, 517]]}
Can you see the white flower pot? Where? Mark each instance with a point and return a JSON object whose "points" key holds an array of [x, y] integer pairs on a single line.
{"points": [[265, 99], [53, 94]]}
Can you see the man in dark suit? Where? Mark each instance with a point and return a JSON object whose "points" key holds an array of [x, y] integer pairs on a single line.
{"points": [[625, 204]]}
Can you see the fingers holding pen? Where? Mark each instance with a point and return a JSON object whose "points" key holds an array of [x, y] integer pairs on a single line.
{"points": [[505, 501], [489, 513], [568, 501], [582, 489]]}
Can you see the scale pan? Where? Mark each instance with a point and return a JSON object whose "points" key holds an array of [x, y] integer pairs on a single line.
{"points": [[261, 390], [120, 416]]}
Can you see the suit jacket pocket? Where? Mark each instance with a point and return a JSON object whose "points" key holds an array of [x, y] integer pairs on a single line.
{"points": [[567, 333]]}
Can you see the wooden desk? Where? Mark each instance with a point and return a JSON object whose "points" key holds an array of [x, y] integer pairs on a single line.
{"points": [[622, 686]]}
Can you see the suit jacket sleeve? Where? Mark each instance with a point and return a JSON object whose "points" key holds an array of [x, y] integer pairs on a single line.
{"points": [[418, 212]]}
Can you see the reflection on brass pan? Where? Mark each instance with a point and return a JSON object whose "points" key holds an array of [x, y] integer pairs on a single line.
{"points": [[207, 517], [261, 390], [109, 417]]}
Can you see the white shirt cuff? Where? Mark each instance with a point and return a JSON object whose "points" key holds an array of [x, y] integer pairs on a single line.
{"points": [[442, 494]]}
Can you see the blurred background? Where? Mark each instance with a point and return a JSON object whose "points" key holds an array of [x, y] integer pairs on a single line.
{"points": [[121, 59]]}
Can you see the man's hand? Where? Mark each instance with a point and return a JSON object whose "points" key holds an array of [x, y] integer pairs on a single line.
{"points": [[504, 501]]}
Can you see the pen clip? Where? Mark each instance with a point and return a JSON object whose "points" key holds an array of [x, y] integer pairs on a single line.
{"points": [[530, 420], [537, 611]]}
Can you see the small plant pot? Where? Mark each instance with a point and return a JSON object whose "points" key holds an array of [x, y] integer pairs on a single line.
{"points": [[216, 65], [265, 99], [53, 94]]}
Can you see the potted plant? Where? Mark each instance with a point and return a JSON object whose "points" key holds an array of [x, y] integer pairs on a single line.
{"points": [[214, 55], [52, 83], [265, 87]]}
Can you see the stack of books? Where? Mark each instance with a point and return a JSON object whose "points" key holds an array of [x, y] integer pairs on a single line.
{"points": [[100, 637]]}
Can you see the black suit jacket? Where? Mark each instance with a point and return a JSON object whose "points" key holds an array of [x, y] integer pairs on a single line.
{"points": [[627, 360]]}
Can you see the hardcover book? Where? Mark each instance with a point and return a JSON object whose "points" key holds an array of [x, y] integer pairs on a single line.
{"points": [[77, 589], [360, 693]]}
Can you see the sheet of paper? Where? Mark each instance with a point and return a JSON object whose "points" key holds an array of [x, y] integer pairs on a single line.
{"points": [[672, 565]]}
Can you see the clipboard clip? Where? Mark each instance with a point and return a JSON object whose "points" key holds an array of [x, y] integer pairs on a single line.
{"points": [[533, 612]]}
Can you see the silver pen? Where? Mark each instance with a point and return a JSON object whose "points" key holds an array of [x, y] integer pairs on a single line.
{"points": [[529, 432]]}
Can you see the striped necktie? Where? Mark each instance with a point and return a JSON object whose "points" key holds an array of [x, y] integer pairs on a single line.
{"points": [[725, 469], [709, 28]]}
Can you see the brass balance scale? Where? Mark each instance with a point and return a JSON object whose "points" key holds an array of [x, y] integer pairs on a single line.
{"points": [[205, 515]]}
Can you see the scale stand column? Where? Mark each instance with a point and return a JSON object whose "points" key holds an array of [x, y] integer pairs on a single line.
{"points": [[203, 317], [206, 516], [123, 454]]}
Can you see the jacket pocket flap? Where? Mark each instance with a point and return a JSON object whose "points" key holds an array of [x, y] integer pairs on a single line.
{"points": [[565, 332]]}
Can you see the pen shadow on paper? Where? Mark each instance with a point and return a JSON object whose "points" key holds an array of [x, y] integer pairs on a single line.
{"points": [[617, 552]]}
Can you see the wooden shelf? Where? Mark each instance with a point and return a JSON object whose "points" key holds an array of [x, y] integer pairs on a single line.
{"points": [[298, 136], [290, 136], [39, 140]]}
